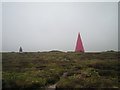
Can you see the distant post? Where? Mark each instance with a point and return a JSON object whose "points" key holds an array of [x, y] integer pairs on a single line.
{"points": [[20, 50]]}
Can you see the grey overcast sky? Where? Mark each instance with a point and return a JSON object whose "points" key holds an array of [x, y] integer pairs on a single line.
{"points": [[0, 26], [55, 26]]}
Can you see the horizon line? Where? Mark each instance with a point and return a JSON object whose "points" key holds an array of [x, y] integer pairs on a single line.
{"points": [[57, 50]]}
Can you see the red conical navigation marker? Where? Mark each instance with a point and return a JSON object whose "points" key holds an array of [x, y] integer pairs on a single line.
{"points": [[79, 45]]}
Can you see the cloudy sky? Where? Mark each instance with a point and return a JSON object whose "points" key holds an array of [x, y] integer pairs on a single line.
{"points": [[0, 27], [55, 26]]}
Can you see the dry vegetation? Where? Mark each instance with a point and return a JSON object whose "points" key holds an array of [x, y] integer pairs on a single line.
{"points": [[36, 70]]}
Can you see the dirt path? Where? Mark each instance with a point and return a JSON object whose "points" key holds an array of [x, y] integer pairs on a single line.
{"points": [[53, 87]]}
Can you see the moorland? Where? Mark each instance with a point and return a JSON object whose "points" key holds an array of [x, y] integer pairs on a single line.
{"points": [[56, 69]]}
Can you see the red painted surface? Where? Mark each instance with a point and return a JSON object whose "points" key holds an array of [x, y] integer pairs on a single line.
{"points": [[79, 45]]}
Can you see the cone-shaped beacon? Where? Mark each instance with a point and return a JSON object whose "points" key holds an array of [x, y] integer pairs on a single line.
{"points": [[79, 45]]}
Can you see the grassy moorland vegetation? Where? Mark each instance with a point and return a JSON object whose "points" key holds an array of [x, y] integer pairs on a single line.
{"points": [[37, 70]]}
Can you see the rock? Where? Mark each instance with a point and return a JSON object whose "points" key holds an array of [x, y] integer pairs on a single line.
{"points": [[65, 74]]}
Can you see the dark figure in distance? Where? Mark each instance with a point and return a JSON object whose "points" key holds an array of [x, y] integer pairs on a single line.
{"points": [[20, 50]]}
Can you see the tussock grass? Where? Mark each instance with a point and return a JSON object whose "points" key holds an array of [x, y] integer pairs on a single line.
{"points": [[40, 69]]}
